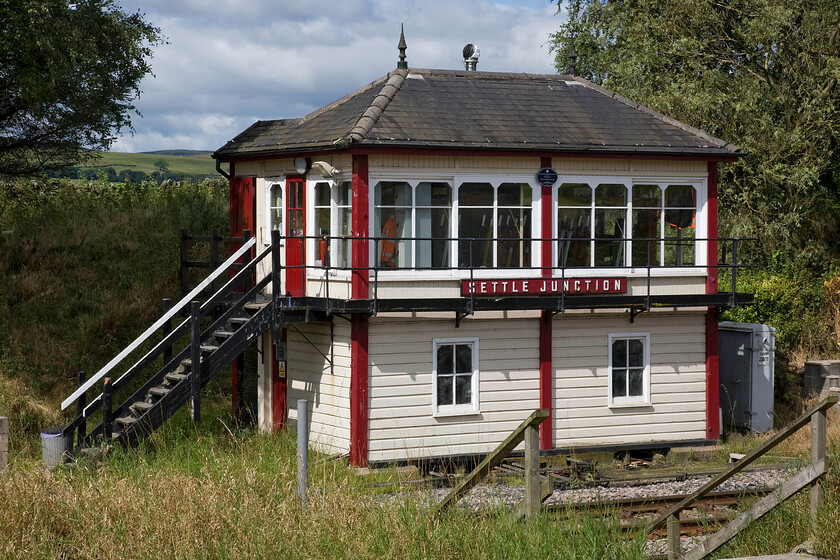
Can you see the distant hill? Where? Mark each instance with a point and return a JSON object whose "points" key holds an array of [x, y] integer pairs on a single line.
{"points": [[179, 152], [159, 165]]}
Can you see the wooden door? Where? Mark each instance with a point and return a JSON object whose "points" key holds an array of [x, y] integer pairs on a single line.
{"points": [[295, 231]]}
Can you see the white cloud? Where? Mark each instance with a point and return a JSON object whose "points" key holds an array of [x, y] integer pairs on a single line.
{"points": [[229, 63]]}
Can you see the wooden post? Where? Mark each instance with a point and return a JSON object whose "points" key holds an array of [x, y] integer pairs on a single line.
{"points": [[82, 429], [4, 443], [532, 471], [184, 271], [673, 532], [165, 330], [818, 425], [107, 410], [195, 359]]}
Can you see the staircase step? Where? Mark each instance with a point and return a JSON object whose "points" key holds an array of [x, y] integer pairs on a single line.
{"points": [[141, 406], [126, 420], [223, 334], [238, 320], [174, 377], [187, 362], [256, 305], [159, 391], [209, 348]]}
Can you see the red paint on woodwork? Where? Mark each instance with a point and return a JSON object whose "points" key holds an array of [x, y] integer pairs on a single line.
{"points": [[546, 439], [546, 214], [712, 357], [361, 256], [359, 391]]}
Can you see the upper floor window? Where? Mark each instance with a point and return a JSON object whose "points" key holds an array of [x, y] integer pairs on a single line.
{"points": [[614, 225], [275, 206], [494, 225], [414, 223], [333, 223]]}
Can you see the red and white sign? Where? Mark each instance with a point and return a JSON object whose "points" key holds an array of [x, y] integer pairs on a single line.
{"points": [[543, 286]]}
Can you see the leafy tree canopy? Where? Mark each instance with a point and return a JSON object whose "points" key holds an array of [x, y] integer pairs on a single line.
{"points": [[761, 74], [69, 73]]}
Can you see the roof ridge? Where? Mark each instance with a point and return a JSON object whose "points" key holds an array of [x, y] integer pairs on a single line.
{"points": [[666, 119], [365, 123]]}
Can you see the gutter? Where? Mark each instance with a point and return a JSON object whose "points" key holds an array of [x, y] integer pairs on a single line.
{"points": [[221, 171]]}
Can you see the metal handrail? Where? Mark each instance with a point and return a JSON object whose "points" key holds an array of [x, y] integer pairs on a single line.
{"points": [[246, 246]]}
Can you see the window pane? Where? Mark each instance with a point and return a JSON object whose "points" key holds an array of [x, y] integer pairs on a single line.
{"points": [[463, 389], [609, 224], [475, 194], [619, 383], [322, 194], [433, 194], [392, 193], [646, 232], [610, 195], [679, 246], [619, 353], [636, 353], [444, 390], [574, 234], [277, 208], [394, 224], [514, 194], [344, 193], [463, 358], [444, 359], [647, 196], [574, 194], [635, 377], [475, 223], [514, 237]]}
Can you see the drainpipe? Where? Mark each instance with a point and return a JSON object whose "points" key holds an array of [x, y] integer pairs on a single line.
{"points": [[220, 170]]}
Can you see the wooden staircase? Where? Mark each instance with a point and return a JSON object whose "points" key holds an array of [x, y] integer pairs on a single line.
{"points": [[237, 314]]}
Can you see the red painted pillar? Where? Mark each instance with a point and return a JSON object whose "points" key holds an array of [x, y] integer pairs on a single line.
{"points": [[546, 213], [279, 408], [712, 357], [359, 289]]}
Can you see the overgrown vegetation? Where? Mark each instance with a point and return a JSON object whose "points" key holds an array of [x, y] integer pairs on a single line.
{"points": [[83, 270]]}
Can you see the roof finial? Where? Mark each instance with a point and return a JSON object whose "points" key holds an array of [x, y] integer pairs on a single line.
{"points": [[572, 57], [401, 63]]}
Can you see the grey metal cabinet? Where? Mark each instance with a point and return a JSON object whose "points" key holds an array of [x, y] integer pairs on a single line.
{"points": [[747, 358]]}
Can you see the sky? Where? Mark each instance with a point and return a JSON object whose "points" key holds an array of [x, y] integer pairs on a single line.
{"points": [[229, 63]]}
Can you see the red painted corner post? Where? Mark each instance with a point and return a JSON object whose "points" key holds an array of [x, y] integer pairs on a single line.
{"points": [[359, 289], [712, 355], [279, 409], [546, 214]]}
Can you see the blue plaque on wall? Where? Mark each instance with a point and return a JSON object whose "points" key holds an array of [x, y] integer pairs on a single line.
{"points": [[546, 176]]}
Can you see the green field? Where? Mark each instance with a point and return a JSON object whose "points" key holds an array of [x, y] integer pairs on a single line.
{"points": [[189, 162]]}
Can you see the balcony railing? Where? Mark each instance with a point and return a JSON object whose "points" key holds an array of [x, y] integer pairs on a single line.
{"points": [[474, 259]]}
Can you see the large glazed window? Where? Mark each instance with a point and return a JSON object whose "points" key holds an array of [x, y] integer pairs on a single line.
{"points": [[494, 225], [629, 369], [413, 221], [599, 224], [332, 223], [455, 376]]}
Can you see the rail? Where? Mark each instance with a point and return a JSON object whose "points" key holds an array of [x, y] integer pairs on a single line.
{"points": [[809, 476], [472, 258]]}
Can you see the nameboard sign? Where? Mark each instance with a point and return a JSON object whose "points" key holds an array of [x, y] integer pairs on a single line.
{"points": [[543, 286]]}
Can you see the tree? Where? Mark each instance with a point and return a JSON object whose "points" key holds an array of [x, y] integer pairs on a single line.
{"points": [[69, 73], [161, 164], [760, 74]]}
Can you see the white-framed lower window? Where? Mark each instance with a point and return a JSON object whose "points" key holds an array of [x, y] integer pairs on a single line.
{"points": [[455, 376], [274, 192], [629, 358]]}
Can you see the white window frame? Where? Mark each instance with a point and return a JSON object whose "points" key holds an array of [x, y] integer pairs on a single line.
{"points": [[270, 184], [701, 232], [495, 181], [456, 409], [312, 243], [627, 402]]}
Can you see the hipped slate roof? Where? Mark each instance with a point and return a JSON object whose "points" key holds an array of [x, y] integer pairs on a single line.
{"points": [[415, 108]]}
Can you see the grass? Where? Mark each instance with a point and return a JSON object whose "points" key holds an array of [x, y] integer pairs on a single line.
{"points": [[212, 494]]}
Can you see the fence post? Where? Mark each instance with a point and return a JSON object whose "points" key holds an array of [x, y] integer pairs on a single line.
{"points": [[107, 411], [532, 471], [82, 429], [673, 531], [165, 330], [303, 449], [184, 271], [195, 359], [818, 425], [4, 443]]}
